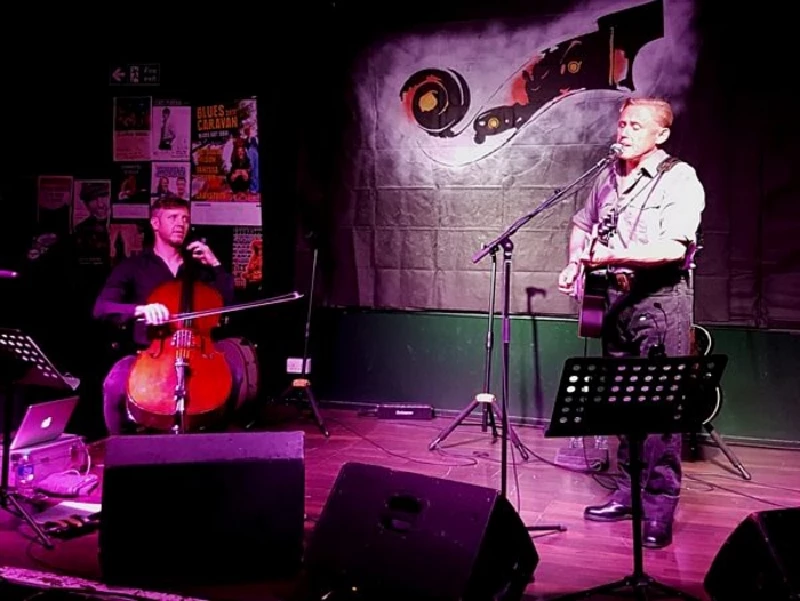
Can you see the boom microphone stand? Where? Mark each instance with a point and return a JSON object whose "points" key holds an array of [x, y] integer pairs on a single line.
{"points": [[485, 399], [504, 241]]}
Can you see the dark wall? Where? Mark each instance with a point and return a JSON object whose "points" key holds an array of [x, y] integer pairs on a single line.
{"points": [[59, 121]]}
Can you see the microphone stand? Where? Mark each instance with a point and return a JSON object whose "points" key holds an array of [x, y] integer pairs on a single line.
{"points": [[504, 241]]}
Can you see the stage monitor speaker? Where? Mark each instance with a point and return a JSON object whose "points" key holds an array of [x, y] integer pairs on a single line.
{"points": [[202, 508], [387, 535], [760, 560]]}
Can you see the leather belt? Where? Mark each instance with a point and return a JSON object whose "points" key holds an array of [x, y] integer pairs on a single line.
{"points": [[625, 280]]}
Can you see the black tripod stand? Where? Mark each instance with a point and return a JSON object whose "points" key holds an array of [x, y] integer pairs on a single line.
{"points": [[633, 397], [703, 344], [22, 363], [300, 389], [485, 399]]}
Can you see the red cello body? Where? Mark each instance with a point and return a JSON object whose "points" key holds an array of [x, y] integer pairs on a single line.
{"points": [[181, 357]]}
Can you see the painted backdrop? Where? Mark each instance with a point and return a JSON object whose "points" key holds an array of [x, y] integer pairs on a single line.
{"points": [[461, 130]]}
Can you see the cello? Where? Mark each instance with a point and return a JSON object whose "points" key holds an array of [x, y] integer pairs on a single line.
{"points": [[182, 381]]}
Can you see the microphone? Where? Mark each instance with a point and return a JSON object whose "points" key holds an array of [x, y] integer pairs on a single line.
{"points": [[613, 152], [7, 274]]}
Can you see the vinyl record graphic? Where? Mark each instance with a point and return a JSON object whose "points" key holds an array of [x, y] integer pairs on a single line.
{"points": [[437, 100]]}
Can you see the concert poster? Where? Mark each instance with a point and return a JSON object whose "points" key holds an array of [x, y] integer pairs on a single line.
{"points": [[130, 191], [132, 128], [54, 213], [127, 240], [91, 215], [171, 131], [247, 257], [169, 179], [226, 188], [54, 203]]}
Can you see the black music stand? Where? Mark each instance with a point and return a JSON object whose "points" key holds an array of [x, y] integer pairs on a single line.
{"points": [[633, 397], [22, 363]]}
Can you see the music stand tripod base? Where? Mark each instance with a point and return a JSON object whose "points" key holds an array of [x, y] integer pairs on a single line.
{"points": [[633, 397], [300, 390]]}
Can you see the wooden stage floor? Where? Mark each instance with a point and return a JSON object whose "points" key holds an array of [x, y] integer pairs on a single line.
{"points": [[714, 501]]}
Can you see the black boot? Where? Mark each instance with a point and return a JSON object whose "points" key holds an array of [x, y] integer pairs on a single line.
{"points": [[610, 512], [656, 534]]}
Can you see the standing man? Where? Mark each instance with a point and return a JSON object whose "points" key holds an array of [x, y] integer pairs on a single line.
{"points": [[655, 203], [124, 296]]}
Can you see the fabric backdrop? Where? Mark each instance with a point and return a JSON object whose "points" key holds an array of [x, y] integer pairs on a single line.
{"points": [[459, 129]]}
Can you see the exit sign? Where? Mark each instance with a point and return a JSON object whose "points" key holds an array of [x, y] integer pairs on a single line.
{"points": [[135, 74]]}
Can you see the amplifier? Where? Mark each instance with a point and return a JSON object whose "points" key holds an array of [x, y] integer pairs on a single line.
{"points": [[398, 411]]}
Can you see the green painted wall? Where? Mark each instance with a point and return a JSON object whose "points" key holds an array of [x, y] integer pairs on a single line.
{"points": [[364, 356]]}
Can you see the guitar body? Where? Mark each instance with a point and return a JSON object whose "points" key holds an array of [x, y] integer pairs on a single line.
{"points": [[590, 293], [702, 344], [590, 288]]}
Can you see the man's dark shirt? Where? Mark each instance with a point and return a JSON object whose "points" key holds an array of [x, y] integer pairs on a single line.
{"points": [[132, 281]]}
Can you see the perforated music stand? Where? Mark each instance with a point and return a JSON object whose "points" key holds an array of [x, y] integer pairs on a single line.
{"points": [[22, 363], [634, 397]]}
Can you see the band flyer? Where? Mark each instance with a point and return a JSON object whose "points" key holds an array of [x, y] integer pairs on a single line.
{"points": [[132, 128], [91, 212], [171, 131], [226, 188]]}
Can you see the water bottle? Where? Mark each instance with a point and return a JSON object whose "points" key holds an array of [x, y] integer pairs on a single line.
{"points": [[24, 479]]}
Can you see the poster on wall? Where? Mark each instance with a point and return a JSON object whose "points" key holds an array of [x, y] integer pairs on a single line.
{"points": [[54, 194], [132, 128], [226, 188], [130, 189], [91, 219], [169, 179], [54, 205], [127, 240], [247, 261], [171, 131]]}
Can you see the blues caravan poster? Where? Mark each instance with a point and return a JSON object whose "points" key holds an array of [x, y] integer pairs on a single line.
{"points": [[225, 186]]}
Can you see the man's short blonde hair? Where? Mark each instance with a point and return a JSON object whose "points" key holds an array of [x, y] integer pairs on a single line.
{"points": [[662, 110]]}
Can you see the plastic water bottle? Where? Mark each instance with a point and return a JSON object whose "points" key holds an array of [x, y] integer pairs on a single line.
{"points": [[24, 479]]}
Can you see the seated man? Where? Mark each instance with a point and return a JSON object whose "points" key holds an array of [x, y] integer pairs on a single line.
{"points": [[124, 297]]}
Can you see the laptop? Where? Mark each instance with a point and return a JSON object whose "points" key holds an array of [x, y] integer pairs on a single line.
{"points": [[43, 422]]}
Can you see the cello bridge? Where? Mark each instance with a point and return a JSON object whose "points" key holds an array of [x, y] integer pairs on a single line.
{"points": [[183, 339]]}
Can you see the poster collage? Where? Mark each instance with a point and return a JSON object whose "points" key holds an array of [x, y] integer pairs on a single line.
{"points": [[206, 154]]}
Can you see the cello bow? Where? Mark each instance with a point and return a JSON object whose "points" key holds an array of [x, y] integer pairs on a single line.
{"points": [[275, 300]]}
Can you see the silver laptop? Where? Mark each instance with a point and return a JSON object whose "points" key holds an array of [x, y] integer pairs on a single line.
{"points": [[44, 422]]}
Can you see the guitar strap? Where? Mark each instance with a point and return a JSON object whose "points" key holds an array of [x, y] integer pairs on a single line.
{"points": [[667, 164], [662, 169]]}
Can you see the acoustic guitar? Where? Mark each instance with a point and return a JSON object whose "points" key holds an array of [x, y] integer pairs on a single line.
{"points": [[591, 284], [702, 344]]}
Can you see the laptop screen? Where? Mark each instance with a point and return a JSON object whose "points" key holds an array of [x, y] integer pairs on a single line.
{"points": [[44, 422]]}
